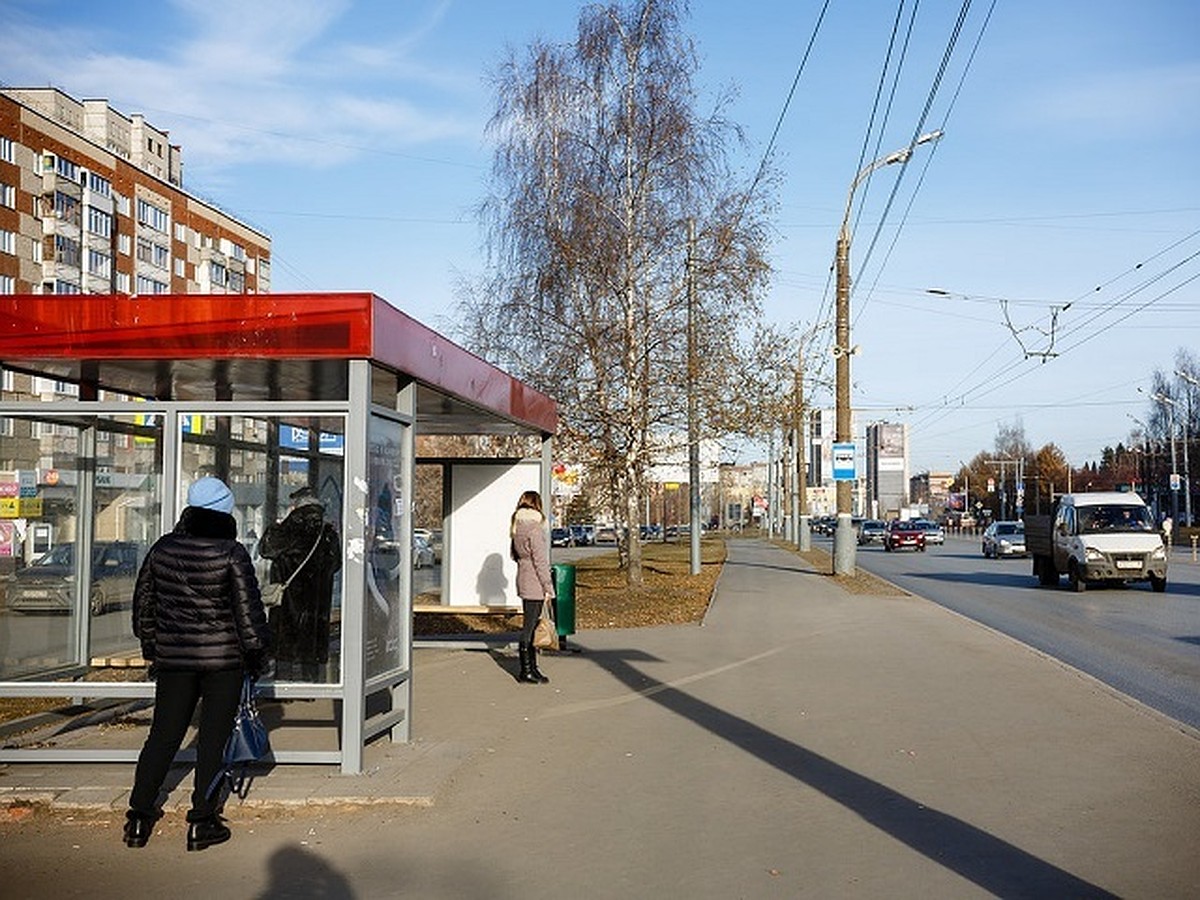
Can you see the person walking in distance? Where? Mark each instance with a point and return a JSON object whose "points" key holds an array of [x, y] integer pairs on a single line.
{"points": [[202, 627], [535, 587]]}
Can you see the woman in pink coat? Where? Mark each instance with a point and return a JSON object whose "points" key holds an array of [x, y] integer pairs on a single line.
{"points": [[535, 587]]}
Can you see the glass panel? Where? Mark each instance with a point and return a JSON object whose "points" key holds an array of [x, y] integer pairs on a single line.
{"points": [[428, 533], [386, 625], [39, 569], [280, 526], [128, 504]]}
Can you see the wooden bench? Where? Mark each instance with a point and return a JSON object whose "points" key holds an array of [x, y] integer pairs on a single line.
{"points": [[446, 609]]}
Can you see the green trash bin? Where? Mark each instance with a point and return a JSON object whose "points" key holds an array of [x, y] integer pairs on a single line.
{"points": [[564, 594]]}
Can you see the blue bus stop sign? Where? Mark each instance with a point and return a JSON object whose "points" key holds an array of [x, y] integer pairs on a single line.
{"points": [[843, 462]]}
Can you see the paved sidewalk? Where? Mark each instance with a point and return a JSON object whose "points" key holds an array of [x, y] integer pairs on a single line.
{"points": [[802, 742]]}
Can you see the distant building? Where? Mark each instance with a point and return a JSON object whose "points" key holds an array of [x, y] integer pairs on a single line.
{"points": [[743, 490], [887, 468], [92, 201], [822, 489], [931, 490]]}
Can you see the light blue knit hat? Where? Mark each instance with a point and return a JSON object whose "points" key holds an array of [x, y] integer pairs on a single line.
{"points": [[211, 493]]}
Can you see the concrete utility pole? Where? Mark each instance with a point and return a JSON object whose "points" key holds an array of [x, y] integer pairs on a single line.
{"points": [[844, 540], [693, 407], [803, 535]]}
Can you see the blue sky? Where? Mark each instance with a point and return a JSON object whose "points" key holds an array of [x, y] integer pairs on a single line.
{"points": [[1058, 214]]}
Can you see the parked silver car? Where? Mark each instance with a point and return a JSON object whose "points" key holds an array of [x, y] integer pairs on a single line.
{"points": [[48, 583]]}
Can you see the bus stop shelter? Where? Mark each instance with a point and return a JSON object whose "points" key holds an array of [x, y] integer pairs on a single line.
{"points": [[112, 405]]}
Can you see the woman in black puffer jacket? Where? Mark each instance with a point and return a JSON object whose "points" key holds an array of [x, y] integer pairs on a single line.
{"points": [[199, 616]]}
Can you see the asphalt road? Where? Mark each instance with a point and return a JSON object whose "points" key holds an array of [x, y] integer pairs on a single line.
{"points": [[1143, 644]]}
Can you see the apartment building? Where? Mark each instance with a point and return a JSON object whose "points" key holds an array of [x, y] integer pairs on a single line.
{"points": [[92, 201]]}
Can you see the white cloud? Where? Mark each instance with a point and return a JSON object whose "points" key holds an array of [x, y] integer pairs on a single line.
{"points": [[1136, 103], [240, 82]]}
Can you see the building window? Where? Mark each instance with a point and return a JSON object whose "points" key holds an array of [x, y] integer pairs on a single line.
{"points": [[7, 285], [123, 282], [180, 268], [66, 168], [8, 242], [66, 207], [66, 251], [37, 252], [123, 244], [152, 217], [62, 286], [99, 264], [6, 427], [6, 150], [180, 231], [98, 184], [217, 273], [147, 285], [237, 282], [8, 195], [122, 204], [99, 222], [155, 254]]}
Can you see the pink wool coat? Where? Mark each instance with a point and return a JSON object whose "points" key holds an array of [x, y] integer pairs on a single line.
{"points": [[532, 552]]}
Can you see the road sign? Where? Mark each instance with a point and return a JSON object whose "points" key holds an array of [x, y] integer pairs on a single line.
{"points": [[843, 462]]}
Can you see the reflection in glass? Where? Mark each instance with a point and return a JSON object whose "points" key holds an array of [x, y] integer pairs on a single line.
{"points": [[39, 570], [386, 629]]}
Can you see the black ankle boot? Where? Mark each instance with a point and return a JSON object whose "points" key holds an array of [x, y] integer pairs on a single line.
{"points": [[138, 828], [526, 676], [207, 832], [533, 669]]}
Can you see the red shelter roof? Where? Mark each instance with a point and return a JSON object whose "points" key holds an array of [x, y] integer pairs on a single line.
{"points": [[95, 327]]}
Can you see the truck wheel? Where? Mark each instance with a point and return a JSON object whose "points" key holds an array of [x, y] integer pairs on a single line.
{"points": [[1078, 585], [1158, 585]]}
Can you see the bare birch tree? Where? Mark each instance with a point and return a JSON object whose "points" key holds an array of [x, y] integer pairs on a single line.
{"points": [[601, 162]]}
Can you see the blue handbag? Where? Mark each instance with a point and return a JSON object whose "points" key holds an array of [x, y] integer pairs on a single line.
{"points": [[247, 744]]}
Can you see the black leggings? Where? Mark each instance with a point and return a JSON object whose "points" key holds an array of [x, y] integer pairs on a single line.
{"points": [[532, 612], [176, 695]]}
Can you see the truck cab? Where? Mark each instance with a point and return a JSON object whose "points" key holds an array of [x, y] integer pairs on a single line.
{"points": [[1104, 536]]}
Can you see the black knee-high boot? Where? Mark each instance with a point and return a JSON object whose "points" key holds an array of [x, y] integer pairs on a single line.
{"points": [[526, 676], [537, 675]]}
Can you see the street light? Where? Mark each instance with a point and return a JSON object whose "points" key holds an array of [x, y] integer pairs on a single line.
{"points": [[844, 542], [1187, 471], [1170, 404]]}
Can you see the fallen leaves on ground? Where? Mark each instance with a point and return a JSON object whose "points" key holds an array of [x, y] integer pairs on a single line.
{"points": [[669, 594]]}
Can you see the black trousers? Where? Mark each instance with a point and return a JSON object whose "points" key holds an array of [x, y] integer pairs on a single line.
{"points": [[176, 695], [531, 612]]}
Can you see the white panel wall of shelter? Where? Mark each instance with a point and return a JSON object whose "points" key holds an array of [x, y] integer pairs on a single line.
{"points": [[481, 571]]}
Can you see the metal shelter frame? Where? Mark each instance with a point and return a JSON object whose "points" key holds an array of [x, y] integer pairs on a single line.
{"points": [[345, 357]]}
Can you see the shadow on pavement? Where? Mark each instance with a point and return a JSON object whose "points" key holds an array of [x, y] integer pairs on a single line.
{"points": [[994, 864], [296, 872]]}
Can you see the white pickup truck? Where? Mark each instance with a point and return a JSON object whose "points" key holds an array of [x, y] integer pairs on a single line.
{"points": [[1097, 537]]}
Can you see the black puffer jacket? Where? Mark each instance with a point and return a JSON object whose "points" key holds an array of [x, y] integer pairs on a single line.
{"points": [[196, 605]]}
